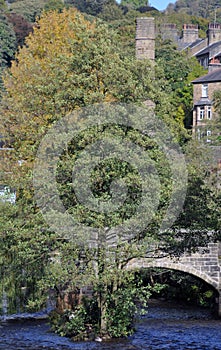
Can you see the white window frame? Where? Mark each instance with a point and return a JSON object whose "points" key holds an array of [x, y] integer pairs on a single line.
{"points": [[204, 90], [208, 134], [201, 113], [209, 112]]}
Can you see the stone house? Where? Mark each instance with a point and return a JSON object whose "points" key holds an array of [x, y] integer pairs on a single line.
{"points": [[206, 50], [204, 114], [203, 109]]}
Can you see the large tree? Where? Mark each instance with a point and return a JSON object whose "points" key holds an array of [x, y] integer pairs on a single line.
{"points": [[69, 63]]}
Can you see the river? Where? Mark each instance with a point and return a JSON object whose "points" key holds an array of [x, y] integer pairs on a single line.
{"points": [[166, 326]]}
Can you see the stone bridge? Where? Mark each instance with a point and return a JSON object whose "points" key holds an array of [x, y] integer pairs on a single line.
{"points": [[205, 264]]}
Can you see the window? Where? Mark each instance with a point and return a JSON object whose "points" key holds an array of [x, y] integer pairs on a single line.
{"points": [[201, 113], [1, 142], [205, 90], [208, 134], [209, 112], [7, 194]]}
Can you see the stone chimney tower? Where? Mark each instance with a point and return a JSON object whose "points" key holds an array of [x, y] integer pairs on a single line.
{"points": [[214, 33], [214, 64], [145, 38], [190, 33], [169, 31]]}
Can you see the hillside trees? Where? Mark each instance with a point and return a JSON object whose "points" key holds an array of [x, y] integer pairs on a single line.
{"points": [[29, 9], [21, 28], [91, 7], [7, 44], [57, 5], [134, 4], [8, 41], [205, 9]]}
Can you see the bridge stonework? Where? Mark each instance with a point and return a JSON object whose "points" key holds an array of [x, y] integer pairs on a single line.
{"points": [[205, 264]]}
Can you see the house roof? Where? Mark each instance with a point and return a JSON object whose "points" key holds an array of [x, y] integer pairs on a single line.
{"points": [[207, 49], [185, 46], [195, 43], [203, 102], [211, 77]]}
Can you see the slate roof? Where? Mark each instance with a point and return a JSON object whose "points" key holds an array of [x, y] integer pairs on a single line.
{"points": [[203, 102], [195, 43], [208, 49], [211, 77]]}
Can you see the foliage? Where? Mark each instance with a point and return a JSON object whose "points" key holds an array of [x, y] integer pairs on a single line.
{"points": [[68, 63], [200, 218], [119, 294], [7, 47], [21, 27], [88, 74], [111, 12], [123, 306], [24, 253], [91, 7], [57, 5], [134, 4], [72, 323], [2, 5], [29, 9], [216, 121], [7, 44], [63, 66], [200, 8], [179, 77], [182, 287]]}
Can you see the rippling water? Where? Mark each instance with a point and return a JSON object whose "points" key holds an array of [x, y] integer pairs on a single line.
{"points": [[164, 327]]}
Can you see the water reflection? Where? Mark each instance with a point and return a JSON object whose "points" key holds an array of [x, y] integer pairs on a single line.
{"points": [[164, 327]]}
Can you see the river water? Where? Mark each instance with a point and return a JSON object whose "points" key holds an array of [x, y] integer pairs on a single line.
{"points": [[166, 326]]}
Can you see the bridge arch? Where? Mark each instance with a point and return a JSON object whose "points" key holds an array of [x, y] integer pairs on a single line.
{"points": [[182, 267], [205, 264], [179, 267]]}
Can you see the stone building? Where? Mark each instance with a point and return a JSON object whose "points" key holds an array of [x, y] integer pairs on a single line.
{"points": [[205, 49], [203, 109], [203, 87]]}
